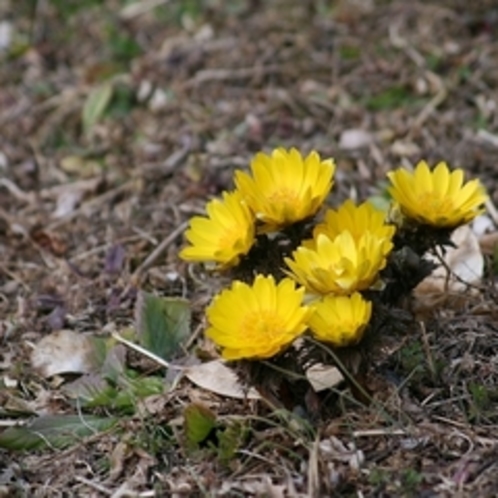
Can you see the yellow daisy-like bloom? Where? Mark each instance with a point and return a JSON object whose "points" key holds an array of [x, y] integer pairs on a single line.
{"points": [[340, 320], [258, 321], [438, 198], [341, 265], [226, 234], [285, 187], [356, 219]]}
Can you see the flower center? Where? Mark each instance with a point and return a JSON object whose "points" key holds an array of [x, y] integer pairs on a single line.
{"points": [[284, 197], [431, 204], [263, 324]]}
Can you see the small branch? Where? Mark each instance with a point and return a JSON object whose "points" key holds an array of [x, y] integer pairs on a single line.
{"points": [[220, 75], [451, 273], [158, 251], [427, 351], [429, 109], [94, 485], [144, 352], [380, 433]]}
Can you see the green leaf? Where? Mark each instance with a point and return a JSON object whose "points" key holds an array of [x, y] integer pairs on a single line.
{"points": [[391, 98], [58, 431], [163, 323], [146, 386], [380, 202], [122, 103], [350, 52], [381, 198], [230, 440], [95, 105], [95, 390], [199, 422]]}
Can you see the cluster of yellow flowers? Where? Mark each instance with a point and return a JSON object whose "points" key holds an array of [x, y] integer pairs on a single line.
{"points": [[325, 274], [284, 189]]}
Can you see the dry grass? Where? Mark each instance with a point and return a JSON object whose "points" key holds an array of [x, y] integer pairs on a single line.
{"points": [[197, 90]]}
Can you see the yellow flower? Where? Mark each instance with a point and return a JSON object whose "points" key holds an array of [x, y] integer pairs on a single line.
{"points": [[259, 321], [340, 265], [226, 234], [355, 219], [285, 187], [438, 198], [340, 320]]}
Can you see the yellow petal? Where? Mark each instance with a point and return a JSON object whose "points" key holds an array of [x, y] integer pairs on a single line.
{"points": [[441, 180], [284, 187], [438, 198], [257, 321], [224, 235]]}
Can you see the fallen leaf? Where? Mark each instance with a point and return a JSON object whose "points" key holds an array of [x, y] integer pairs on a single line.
{"points": [[465, 262], [485, 137], [333, 449], [56, 318], [355, 139], [70, 197], [488, 243], [114, 259], [67, 202], [323, 377], [49, 241], [95, 106], [199, 421], [405, 148], [57, 431], [66, 351], [216, 377], [121, 452], [482, 224], [6, 32], [88, 388], [80, 166]]}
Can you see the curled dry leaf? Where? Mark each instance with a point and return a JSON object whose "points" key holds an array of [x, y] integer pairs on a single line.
{"points": [[323, 377], [81, 167], [405, 148], [483, 224], [216, 377], [114, 259], [355, 139], [95, 105], [466, 263], [489, 242], [49, 241], [64, 351], [69, 198], [333, 449], [6, 32], [255, 485]]}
